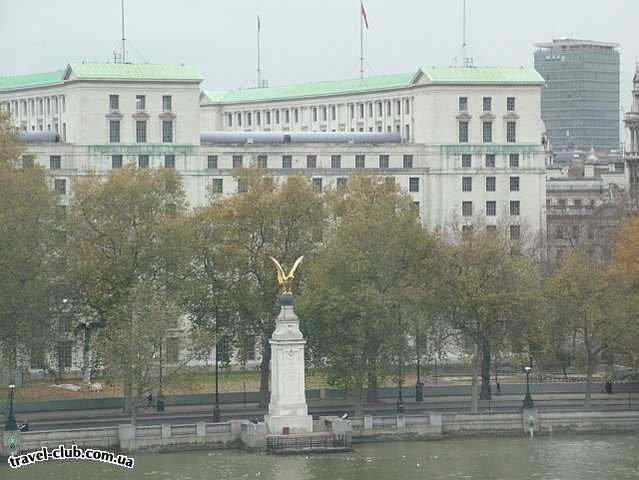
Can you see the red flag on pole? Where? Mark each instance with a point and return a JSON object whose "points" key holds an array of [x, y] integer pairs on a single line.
{"points": [[364, 14]]}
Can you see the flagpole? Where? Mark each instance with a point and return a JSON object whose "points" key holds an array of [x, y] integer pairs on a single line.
{"points": [[361, 42], [259, 67]]}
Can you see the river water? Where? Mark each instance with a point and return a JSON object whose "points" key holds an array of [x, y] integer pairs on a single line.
{"points": [[592, 457]]}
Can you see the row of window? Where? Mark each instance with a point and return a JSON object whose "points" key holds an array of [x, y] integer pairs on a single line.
{"points": [[140, 103], [489, 160], [491, 208], [336, 162], [491, 184], [487, 131], [513, 230], [140, 131], [321, 113], [575, 232], [311, 161], [487, 104]]}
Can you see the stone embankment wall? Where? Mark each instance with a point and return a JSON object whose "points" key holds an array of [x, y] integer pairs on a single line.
{"points": [[363, 429]]}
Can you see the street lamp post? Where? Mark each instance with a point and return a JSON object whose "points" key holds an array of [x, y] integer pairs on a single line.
{"points": [[528, 401], [159, 405], [216, 408], [419, 386], [10, 424]]}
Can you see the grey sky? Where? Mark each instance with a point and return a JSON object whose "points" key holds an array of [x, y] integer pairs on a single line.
{"points": [[304, 40]]}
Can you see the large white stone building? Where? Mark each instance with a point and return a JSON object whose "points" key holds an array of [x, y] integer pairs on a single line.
{"points": [[466, 143]]}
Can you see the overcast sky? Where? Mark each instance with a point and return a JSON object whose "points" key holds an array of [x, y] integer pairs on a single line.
{"points": [[305, 40]]}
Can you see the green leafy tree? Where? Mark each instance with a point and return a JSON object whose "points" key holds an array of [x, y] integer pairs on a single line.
{"points": [[235, 285], [30, 253], [362, 289], [126, 240]]}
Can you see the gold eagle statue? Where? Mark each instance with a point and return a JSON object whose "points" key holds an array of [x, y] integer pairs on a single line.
{"points": [[284, 279]]}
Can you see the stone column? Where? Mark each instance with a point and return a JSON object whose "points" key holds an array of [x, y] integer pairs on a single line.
{"points": [[287, 407]]}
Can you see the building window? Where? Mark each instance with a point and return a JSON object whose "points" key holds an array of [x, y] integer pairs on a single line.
{"points": [[114, 131], [360, 161], [487, 104], [140, 131], [383, 161], [361, 110], [55, 162], [559, 232], [467, 231], [490, 160], [140, 103], [315, 114], [591, 232], [60, 186], [515, 232], [510, 104], [491, 208], [287, 116], [237, 161], [317, 184], [268, 117], [277, 117], [467, 209], [380, 109], [513, 160], [27, 161], [341, 182], [262, 161], [211, 162], [514, 208], [169, 161], [467, 184], [514, 184], [249, 119], [336, 161], [407, 131], [311, 161], [576, 232], [258, 118], [37, 361], [239, 119], [487, 132], [63, 353], [511, 132], [217, 185], [230, 119], [491, 184], [407, 106], [561, 202], [167, 103], [116, 161], [114, 102], [466, 160], [334, 112], [408, 161], [167, 131], [388, 108], [287, 161], [463, 132], [242, 187], [324, 114], [463, 104], [413, 184]]}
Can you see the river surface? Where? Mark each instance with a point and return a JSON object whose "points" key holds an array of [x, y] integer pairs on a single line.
{"points": [[583, 457]]}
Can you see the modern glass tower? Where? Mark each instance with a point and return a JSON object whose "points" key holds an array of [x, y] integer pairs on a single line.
{"points": [[580, 101]]}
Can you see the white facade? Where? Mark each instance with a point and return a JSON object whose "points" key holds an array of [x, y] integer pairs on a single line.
{"points": [[471, 138]]}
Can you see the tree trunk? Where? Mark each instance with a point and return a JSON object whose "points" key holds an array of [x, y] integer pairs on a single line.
{"points": [[265, 373], [357, 401], [589, 370], [485, 393], [87, 358], [474, 394], [371, 390]]}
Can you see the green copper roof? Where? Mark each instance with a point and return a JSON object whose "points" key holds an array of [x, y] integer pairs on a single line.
{"points": [[128, 71], [33, 80], [216, 96], [483, 75], [381, 82]]}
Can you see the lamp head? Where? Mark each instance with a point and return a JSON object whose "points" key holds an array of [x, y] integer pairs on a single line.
{"points": [[12, 386], [527, 369]]}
